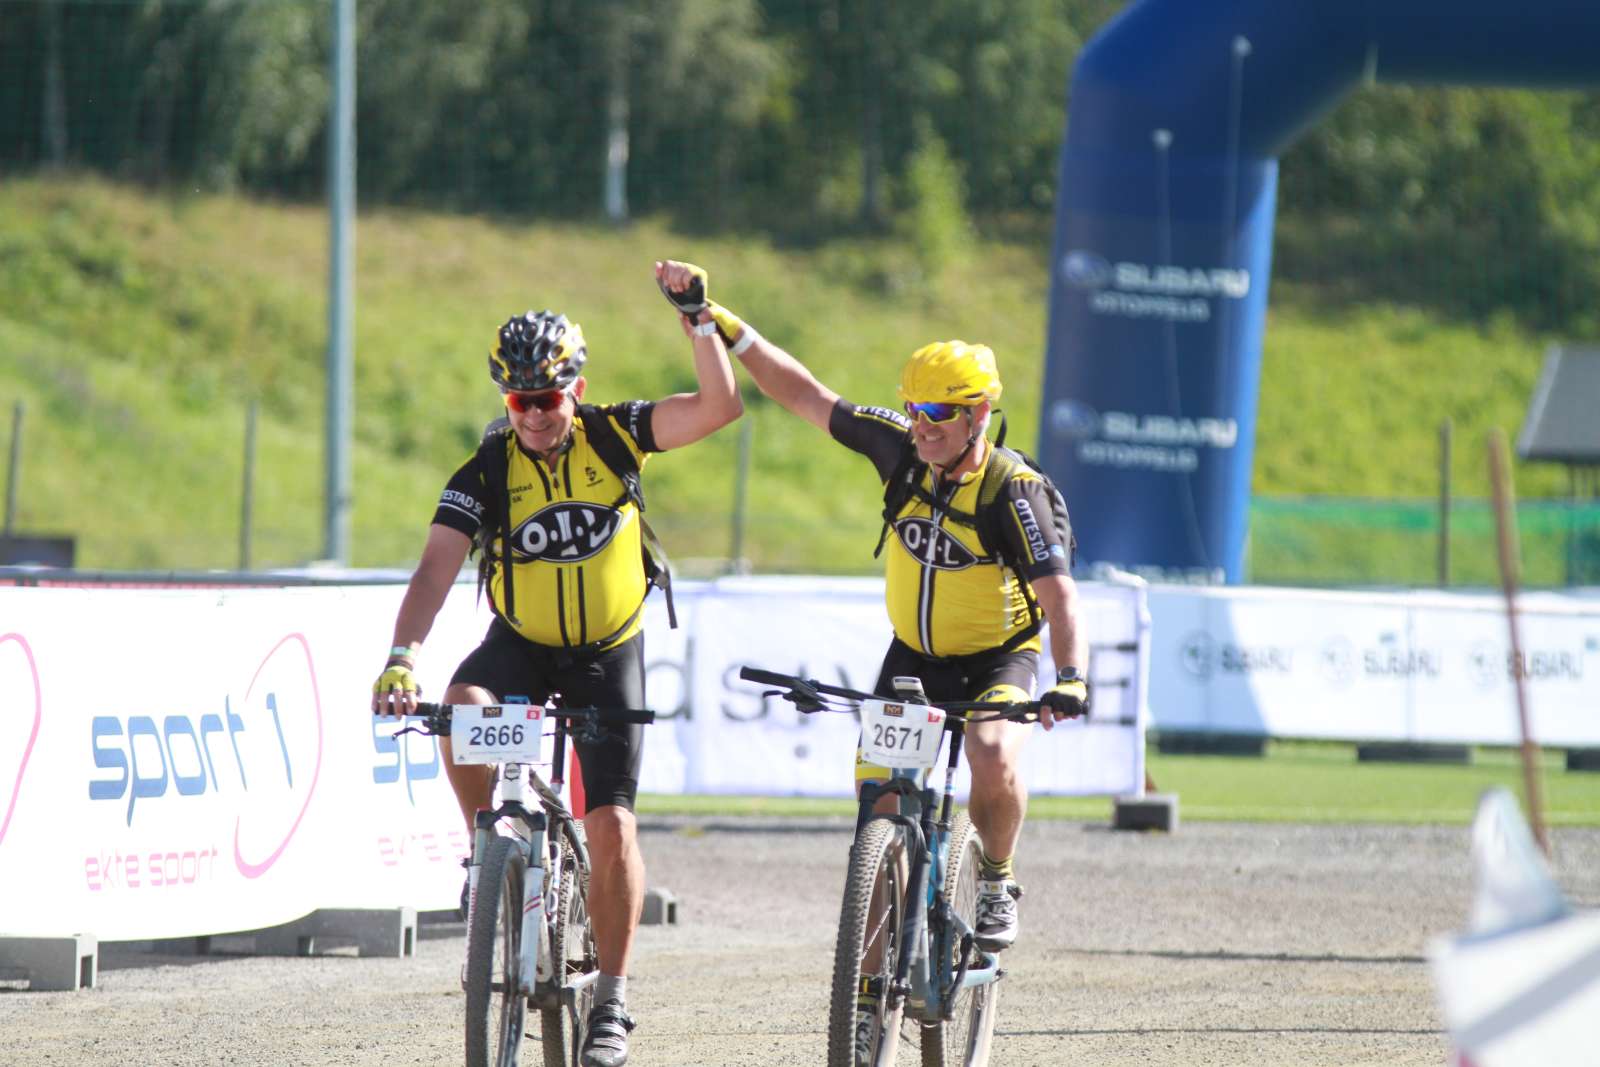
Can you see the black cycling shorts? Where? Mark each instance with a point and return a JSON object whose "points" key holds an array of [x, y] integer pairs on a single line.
{"points": [[509, 665], [957, 677]]}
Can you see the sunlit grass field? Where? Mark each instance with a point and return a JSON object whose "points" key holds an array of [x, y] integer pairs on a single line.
{"points": [[137, 327], [1292, 782]]}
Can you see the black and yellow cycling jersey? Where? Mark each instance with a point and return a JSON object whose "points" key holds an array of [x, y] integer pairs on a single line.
{"points": [[946, 595], [575, 539]]}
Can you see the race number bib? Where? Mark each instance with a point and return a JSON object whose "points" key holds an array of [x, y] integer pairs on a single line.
{"points": [[496, 733], [894, 734]]}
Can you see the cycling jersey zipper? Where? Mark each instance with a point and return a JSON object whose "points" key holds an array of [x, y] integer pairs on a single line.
{"points": [[582, 614], [925, 593]]}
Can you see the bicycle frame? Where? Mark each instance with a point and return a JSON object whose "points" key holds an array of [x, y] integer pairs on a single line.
{"points": [[923, 973], [541, 887]]}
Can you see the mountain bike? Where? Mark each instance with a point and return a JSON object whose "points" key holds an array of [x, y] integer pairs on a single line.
{"points": [[906, 928], [529, 942]]}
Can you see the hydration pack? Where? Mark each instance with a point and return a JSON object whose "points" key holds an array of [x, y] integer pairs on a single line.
{"points": [[494, 467], [905, 484]]}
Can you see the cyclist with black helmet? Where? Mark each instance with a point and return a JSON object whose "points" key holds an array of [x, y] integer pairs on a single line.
{"points": [[966, 614], [559, 528]]}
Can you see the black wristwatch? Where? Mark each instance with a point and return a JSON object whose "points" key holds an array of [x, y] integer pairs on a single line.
{"points": [[1069, 674]]}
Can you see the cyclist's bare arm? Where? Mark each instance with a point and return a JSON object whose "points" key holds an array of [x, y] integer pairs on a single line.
{"points": [[1069, 647], [684, 418], [442, 557], [786, 380]]}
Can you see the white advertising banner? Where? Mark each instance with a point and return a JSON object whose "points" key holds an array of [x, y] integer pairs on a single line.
{"points": [[185, 761], [836, 631], [1424, 667], [182, 762]]}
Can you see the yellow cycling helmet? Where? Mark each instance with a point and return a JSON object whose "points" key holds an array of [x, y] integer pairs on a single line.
{"points": [[950, 372]]}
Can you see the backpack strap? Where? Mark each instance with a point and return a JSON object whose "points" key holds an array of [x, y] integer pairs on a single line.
{"points": [[494, 467], [608, 444], [903, 483], [613, 452], [1003, 465]]}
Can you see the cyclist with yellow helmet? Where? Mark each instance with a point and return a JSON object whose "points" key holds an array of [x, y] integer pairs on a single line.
{"points": [[558, 524], [963, 620]]}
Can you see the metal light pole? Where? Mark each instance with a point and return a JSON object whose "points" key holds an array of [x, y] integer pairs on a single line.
{"points": [[341, 298]]}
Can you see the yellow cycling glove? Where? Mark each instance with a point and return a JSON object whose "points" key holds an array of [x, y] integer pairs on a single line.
{"points": [[396, 676], [396, 681], [1070, 694], [728, 324]]}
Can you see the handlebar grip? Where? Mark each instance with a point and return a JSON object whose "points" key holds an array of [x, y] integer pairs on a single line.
{"points": [[756, 674], [632, 715]]}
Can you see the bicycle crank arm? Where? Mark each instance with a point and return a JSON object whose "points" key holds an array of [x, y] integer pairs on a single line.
{"points": [[988, 973], [570, 991]]}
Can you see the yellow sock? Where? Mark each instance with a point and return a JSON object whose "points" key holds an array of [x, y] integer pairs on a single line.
{"points": [[996, 869]]}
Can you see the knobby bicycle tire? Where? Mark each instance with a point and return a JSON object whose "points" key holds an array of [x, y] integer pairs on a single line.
{"points": [[964, 1040], [876, 858], [572, 953], [495, 1010]]}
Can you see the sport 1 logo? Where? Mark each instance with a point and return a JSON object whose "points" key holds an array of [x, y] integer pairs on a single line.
{"points": [[568, 532], [19, 691], [933, 547]]}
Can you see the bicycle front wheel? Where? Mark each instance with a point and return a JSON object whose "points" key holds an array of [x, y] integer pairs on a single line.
{"points": [[964, 1040], [495, 1009], [869, 943], [573, 953]]}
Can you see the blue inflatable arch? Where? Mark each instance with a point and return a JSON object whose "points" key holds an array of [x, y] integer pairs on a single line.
{"points": [[1163, 238]]}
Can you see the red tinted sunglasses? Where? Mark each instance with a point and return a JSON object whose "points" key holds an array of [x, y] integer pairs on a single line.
{"points": [[522, 403]]}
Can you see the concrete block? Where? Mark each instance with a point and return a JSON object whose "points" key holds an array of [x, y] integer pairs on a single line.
{"points": [[660, 908], [1153, 811], [374, 932], [1198, 744], [1583, 759], [51, 963]]}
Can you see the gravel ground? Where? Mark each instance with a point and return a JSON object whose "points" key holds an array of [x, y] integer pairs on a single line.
{"points": [[1220, 944]]}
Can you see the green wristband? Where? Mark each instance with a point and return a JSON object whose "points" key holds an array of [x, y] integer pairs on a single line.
{"points": [[402, 651]]}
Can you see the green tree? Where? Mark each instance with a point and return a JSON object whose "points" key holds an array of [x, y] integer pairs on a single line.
{"points": [[1473, 199]]}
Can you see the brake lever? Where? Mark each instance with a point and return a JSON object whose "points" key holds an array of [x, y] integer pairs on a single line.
{"points": [[802, 696]]}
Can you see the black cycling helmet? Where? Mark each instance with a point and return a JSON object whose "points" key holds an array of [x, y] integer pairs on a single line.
{"points": [[535, 352]]}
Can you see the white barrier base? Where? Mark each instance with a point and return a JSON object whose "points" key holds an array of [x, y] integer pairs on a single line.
{"points": [[375, 932]]}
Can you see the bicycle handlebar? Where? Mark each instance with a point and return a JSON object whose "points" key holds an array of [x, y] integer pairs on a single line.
{"points": [[807, 693], [442, 713]]}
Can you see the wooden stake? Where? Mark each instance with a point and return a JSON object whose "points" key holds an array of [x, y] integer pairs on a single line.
{"points": [[1506, 534]]}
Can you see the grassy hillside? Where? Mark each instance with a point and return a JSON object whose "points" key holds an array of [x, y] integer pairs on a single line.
{"points": [[136, 328]]}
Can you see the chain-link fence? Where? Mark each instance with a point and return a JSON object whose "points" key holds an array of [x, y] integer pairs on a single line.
{"points": [[1331, 541]]}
